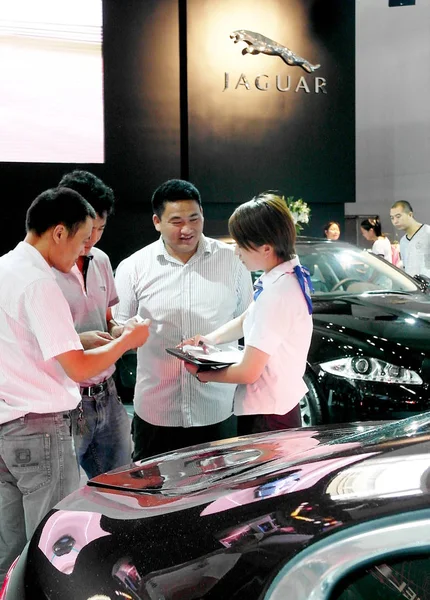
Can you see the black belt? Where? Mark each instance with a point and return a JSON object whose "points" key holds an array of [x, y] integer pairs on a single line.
{"points": [[93, 390]]}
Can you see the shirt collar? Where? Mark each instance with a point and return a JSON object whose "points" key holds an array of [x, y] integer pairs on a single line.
{"points": [[279, 270], [204, 247], [35, 256]]}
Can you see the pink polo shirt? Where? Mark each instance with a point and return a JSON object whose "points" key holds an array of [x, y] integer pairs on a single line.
{"points": [[89, 305], [35, 326]]}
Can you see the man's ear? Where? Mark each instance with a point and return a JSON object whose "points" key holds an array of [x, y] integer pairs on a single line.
{"points": [[59, 233], [156, 222]]}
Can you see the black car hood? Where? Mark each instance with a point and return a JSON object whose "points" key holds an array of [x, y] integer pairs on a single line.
{"points": [[229, 472], [382, 323], [239, 508]]}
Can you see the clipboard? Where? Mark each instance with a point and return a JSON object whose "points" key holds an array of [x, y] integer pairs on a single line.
{"points": [[202, 363]]}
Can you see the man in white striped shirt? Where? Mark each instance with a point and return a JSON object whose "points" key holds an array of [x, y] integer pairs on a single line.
{"points": [[184, 282], [41, 359]]}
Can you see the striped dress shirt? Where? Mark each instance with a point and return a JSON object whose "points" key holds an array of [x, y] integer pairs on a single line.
{"points": [[181, 300]]}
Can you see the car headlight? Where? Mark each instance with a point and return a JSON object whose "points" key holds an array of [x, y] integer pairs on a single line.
{"points": [[371, 369]]}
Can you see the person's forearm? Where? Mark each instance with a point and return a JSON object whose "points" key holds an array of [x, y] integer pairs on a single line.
{"points": [[230, 332], [247, 371], [94, 339], [234, 374], [113, 327], [100, 359], [80, 365], [89, 363]]}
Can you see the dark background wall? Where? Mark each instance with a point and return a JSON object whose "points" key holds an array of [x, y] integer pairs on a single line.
{"points": [[166, 114]]}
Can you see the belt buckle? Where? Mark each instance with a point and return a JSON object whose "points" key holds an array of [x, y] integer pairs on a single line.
{"points": [[96, 389], [93, 390]]}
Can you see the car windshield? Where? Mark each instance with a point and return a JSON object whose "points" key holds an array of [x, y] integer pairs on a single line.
{"points": [[344, 269]]}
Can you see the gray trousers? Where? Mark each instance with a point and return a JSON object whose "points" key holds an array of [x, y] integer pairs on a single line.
{"points": [[38, 467]]}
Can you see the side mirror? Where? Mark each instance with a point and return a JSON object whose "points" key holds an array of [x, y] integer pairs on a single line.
{"points": [[423, 281]]}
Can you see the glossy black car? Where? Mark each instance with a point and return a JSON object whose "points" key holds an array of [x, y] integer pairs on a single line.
{"points": [[333, 513], [370, 351]]}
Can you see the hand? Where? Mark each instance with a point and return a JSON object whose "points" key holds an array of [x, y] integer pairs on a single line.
{"points": [[136, 330], [194, 370], [94, 339], [116, 331], [197, 340]]}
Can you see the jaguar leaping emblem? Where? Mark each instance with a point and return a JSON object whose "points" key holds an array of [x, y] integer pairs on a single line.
{"points": [[257, 43]]}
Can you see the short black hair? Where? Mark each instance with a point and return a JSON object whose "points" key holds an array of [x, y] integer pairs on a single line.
{"points": [[173, 190], [265, 219], [92, 188], [404, 205], [57, 206], [373, 223]]}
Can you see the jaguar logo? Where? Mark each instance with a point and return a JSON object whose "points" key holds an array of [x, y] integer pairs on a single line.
{"points": [[257, 43]]}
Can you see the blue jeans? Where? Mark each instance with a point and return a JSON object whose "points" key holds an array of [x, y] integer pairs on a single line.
{"points": [[101, 430], [38, 468]]}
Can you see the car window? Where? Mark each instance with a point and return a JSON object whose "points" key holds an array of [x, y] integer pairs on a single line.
{"points": [[393, 580], [342, 269]]}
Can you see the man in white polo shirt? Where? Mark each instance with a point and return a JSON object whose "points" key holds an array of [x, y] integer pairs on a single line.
{"points": [[41, 359], [101, 426], [415, 245]]}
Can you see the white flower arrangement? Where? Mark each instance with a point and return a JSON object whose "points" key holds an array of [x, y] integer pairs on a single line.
{"points": [[300, 212]]}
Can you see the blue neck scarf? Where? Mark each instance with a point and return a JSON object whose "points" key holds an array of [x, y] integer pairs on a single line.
{"points": [[304, 279], [258, 288]]}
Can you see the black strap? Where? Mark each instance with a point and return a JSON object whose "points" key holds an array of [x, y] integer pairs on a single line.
{"points": [[85, 265]]}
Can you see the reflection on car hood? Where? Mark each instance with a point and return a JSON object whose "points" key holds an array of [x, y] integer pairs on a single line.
{"points": [[225, 471], [387, 319], [381, 306], [237, 508], [195, 469]]}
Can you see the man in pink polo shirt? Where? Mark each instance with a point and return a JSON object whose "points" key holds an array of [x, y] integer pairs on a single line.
{"points": [[41, 359], [101, 426]]}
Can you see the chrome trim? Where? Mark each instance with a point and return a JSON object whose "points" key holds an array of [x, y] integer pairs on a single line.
{"points": [[313, 573]]}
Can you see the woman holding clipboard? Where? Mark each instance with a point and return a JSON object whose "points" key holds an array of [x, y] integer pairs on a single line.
{"points": [[277, 326]]}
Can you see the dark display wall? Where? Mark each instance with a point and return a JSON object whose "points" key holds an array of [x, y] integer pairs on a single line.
{"points": [[181, 100], [251, 136]]}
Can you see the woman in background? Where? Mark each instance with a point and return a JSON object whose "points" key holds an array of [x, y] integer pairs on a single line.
{"points": [[371, 231], [332, 231]]}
